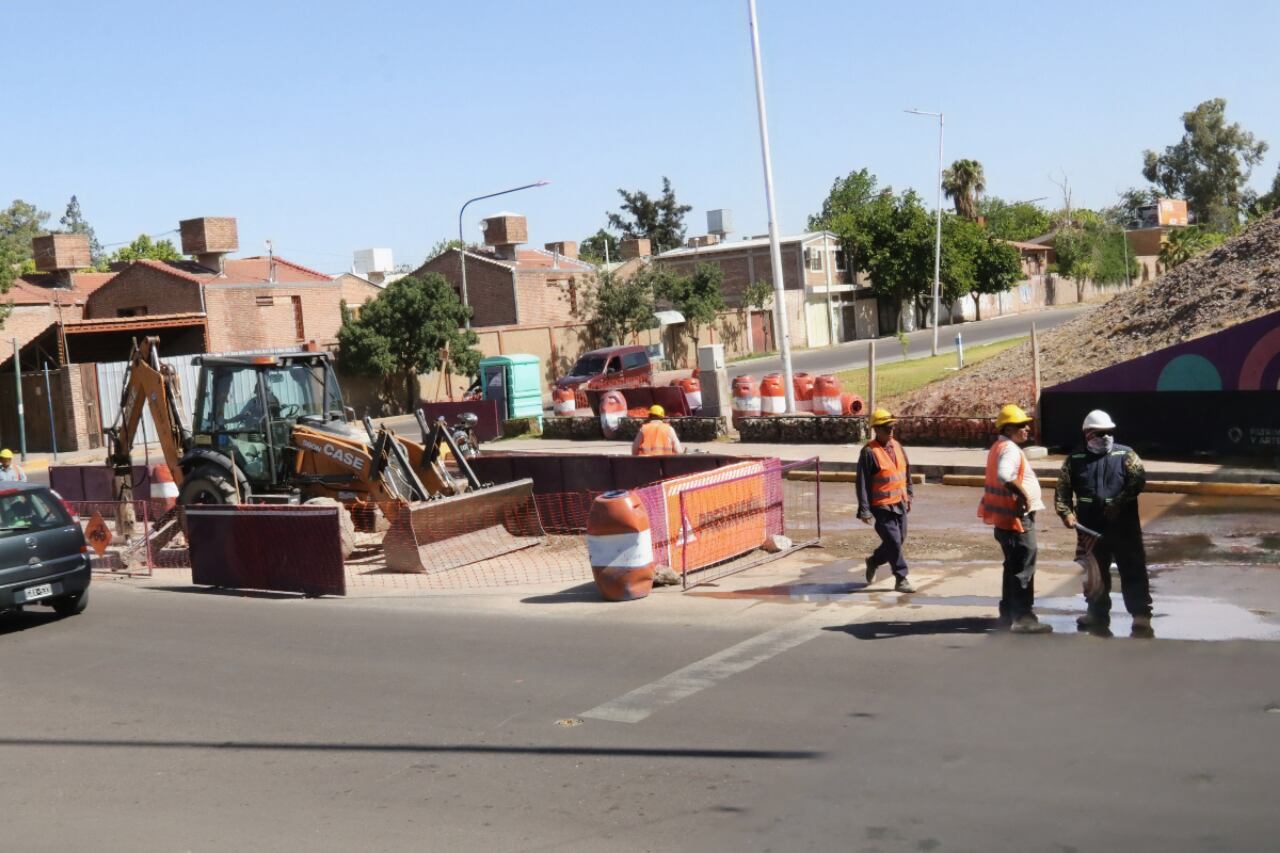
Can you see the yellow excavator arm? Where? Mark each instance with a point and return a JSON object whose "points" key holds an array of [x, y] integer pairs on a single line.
{"points": [[149, 383]]}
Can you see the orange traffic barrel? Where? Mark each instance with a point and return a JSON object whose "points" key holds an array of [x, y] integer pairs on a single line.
{"points": [[164, 491], [613, 408], [852, 404], [803, 385], [620, 546], [692, 389], [564, 401], [746, 398], [773, 398], [826, 396]]}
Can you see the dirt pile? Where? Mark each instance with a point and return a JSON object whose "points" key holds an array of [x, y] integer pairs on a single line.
{"points": [[1235, 282]]}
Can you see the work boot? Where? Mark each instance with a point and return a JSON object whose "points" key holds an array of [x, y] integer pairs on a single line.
{"points": [[1030, 625], [903, 585], [1095, 624], [1142, 627], [871, 571]]}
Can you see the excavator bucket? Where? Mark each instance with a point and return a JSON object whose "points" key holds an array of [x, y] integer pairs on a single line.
{"points": [[442, 534]]}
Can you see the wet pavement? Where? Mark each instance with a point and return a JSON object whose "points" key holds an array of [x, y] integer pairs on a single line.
{"points": [[1214, 565]]}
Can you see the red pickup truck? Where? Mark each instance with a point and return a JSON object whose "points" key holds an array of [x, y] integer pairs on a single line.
{"points": [[611, 367]]}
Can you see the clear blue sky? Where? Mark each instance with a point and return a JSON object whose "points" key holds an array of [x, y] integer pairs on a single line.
{"points": [[332, 126]]}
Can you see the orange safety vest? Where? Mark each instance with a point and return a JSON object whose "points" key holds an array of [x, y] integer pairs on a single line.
{"points": [[656, 439], [999, 506], [889, 485]]}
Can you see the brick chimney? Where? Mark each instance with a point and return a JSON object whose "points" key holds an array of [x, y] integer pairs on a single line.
{"points": [[635, 247], [61, 252], [210, 239], [565, 248], [505, 231]]}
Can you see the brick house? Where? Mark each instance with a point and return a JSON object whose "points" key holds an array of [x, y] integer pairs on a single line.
{"points": [[251, 303], [820, 290], [512, 286]]}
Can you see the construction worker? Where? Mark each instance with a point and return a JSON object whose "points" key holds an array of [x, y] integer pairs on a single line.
{"points": [[656, 437], [1010, 500], [10, 472], [1098, 487], [884, 494]]}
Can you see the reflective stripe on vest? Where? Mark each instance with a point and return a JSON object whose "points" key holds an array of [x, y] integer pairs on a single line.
{"points": [[999, 506], [889, 485], [656, 439]]}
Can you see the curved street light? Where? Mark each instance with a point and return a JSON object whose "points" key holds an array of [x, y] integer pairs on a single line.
{"points": [[462, 250]]}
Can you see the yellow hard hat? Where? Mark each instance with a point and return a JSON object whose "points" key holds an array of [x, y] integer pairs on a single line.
{"points": [[880, 417], [6, 454], [1011, 415], [657, 411]]}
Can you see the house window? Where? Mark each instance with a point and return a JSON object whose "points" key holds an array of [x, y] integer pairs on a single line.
{"points": [[840, 263], [264, 301], [813, 260]]}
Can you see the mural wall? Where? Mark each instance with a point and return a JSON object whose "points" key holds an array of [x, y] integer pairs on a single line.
{"points": [[1217, 394]]}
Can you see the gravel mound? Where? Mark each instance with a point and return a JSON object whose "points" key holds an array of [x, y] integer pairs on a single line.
{"points": [[1235, 282]]}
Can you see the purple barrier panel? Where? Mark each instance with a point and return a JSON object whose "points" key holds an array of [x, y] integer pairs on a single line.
{"points": [[94, 482], [279, 548], [488, 427]]}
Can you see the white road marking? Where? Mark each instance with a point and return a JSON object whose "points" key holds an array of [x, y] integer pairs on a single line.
{"points": [[643, 701]]}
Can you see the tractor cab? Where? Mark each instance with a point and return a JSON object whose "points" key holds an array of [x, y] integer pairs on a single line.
{"points": [[247, 406]]}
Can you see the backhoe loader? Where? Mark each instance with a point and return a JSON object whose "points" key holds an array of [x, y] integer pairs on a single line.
{"points": [[274, 429]]}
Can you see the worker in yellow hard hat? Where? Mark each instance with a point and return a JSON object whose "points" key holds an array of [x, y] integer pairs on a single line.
{"points": [[9, 471], [884, 496], [1010, 500], [656, 437]]}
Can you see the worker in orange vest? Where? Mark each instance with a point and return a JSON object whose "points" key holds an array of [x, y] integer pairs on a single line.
{"points": [[1010, 500], [884, 494], [656, 437], [8, 470]]}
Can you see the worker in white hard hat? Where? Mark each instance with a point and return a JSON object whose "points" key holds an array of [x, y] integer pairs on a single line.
{"points": [[884, 495], [1098, 489], [9, 470]]}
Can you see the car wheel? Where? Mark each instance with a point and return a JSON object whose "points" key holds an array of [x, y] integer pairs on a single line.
{"points": [[70, 605]]}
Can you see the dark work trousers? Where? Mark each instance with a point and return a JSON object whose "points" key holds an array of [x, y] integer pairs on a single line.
{"points": [[1019, 557], [892, 529], [1122, 546]]}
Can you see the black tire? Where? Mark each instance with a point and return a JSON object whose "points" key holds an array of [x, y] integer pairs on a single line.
{"points": [[70, 605], [207, 485]]}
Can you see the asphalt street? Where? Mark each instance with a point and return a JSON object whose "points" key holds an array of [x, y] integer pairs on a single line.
{"points": [[853, 354], [183, 720]]}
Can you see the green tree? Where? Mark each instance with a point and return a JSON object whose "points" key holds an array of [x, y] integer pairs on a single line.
{"points": [[1094, 251], [1270, 200], [661, 220], [593, 249], [695, 296], [144, 248], [410, 328], [1127, 209], [19, 223], [441, 246], [618, 310], [964, 183], [1017, 221], [1182, 244], [849, 194], [997, 267], [1209, 166], [73, 222], [891, 239]]}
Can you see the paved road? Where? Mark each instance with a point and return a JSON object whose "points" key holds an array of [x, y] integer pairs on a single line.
{"points": [[854, 354], [169, 719]]}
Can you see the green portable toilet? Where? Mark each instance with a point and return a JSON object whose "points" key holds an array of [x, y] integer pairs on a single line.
{"points": [[515, 382]]}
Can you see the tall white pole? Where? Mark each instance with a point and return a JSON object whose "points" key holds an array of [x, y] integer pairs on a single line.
{"points": [[775, 250], [937, 244]]}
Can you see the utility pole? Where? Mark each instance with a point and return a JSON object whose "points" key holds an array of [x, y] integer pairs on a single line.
{"points": [[937, 245], [17, 384]]}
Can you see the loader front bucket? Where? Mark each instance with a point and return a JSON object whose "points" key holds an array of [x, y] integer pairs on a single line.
{"points": [[442, 534]]}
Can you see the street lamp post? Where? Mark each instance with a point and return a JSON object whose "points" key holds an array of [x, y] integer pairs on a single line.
{"points": [[775, 249], [462, 250], [937, 247]]}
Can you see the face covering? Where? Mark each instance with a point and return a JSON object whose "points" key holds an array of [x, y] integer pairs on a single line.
{"points": [[1101, 443]]}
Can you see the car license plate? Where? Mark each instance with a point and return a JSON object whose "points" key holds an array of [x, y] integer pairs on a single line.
{"points": [[35, 593]]}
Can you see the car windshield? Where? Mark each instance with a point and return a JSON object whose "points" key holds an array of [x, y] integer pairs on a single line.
{"points": [[29, 511], [589, 365]]}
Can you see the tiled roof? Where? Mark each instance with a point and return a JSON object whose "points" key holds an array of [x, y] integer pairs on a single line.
{"points": [[41, 289], [257, 268], [1029, 247], [542, 259], [752, 243]]}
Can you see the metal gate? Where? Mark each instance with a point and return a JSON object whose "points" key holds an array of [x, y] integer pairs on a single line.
{"points": [[111, 383]]}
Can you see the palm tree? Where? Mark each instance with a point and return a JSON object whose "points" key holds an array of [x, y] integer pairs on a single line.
{"points": [[963, 183]]}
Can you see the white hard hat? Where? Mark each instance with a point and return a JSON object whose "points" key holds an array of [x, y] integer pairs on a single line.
{"points": [[1097, 419]]}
